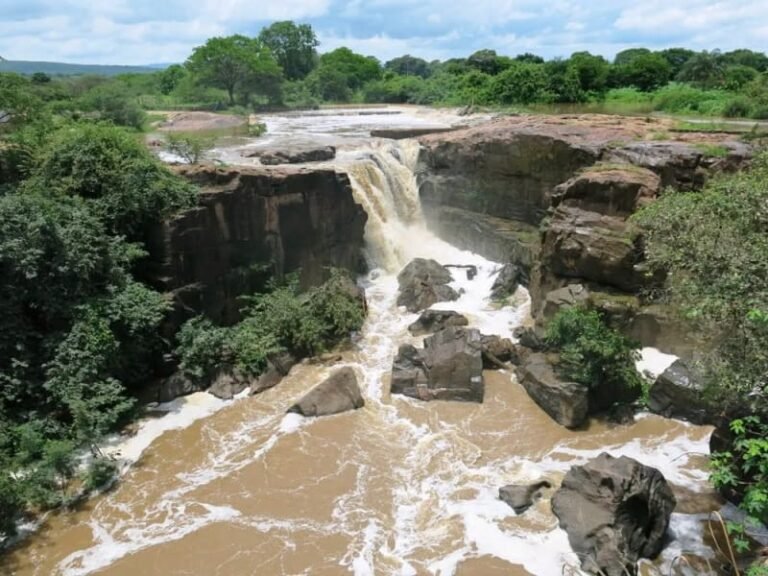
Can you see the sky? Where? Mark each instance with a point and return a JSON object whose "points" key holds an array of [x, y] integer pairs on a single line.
{"points": [[165, 31]]}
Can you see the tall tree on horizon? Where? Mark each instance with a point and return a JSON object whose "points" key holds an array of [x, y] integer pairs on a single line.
{"points": [[293, 46]]}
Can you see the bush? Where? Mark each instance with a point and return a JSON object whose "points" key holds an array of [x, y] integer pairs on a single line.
{"points": [[739, 107], [682, 98], [100, 474], [191, 147], [592, 353]]}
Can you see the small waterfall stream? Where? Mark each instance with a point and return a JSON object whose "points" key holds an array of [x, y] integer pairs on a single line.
{"points": [[398, 488]]}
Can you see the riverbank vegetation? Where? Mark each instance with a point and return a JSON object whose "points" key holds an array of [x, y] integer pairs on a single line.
{"points": [[711, 246], [282, 68]]}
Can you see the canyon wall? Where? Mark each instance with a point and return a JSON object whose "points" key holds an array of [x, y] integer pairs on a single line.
{"points": [[251, 225], [554, 194]]}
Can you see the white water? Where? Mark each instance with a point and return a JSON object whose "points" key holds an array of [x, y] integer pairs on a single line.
{"points": [[444, 479]]}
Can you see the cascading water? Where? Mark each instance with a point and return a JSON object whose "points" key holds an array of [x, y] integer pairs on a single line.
{"points": [[397, 488]]}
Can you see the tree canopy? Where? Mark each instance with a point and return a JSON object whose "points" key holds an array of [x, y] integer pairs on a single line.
{"points": [[294, 46]]}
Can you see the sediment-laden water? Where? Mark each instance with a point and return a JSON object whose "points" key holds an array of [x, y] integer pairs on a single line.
{"points": [[399, 487]]}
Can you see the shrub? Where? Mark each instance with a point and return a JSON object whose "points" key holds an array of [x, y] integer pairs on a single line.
{"points": [[191, 147], [739, 107], [592, 353], [101, 472]]}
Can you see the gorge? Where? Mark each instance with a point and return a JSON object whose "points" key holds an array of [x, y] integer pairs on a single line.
{"points": [[398, 486]]}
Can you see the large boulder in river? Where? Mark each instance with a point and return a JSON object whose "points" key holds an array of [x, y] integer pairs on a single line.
{"points": [[507, 282], [227, 383], [498, 351], [278, 367], [567, 403], [431, 321], [450, 367], [615, 511], [298, 155], [339, 393], [423, 283], [677, 393], [520, 497]]}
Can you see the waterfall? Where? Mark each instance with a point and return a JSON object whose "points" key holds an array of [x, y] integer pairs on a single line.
{"points": [[384, 183]]}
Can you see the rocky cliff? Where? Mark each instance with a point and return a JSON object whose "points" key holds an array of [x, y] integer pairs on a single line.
{"points": [[251, 225], [554, 194]]}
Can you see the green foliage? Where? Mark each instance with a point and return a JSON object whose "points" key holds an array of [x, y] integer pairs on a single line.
{"points": [[101, 472], [592, 353], [521, 83], [704, 69], [171, 77], [191, 147], [237, 64], [282, 319], [294, 46], [744, 470], [11, 504], [645, 72], [409, 66], [123, 182], [354, 68], [112, 104]]}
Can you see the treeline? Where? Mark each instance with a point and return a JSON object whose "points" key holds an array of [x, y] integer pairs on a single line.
{"points": [[282, 68]]}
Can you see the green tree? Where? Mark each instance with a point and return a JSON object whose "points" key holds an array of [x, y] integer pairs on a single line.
{"points": [[625, 57], [409, 66], [294, 47], [737, 76], [233, 63], [677, 57], [743, 57], [705, 69], [486, 61], [356, 68], [521, 83], [171, 77], [645, 71], [592, 71]]}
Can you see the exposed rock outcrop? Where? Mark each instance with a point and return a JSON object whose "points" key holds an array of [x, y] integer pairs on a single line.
{"points": [[520, 497], [508, 281], [278, 367], [431, 321], [227, 383], [677, 393], [176, 385], [339, 393], [615, 511], [251, 225], [298, 155], [567, 403], [450, 367], [497, 351], [423, 283]]}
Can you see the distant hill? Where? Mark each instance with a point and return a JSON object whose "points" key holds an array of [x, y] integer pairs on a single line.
{"points": [[62, 69]]}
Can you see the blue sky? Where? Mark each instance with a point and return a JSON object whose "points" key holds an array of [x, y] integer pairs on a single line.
{"points": [[144, 31]]}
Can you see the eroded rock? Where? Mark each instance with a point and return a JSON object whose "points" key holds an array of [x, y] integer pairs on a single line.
{"points": [[431, 321], [520, 497], [498, 351], [176, 385], [567, 403], [297, 155], [227, 383], [507, 282], [423, 283], [278, 367], [677, 393], [339, 393], [615, 511], [450, 367]]}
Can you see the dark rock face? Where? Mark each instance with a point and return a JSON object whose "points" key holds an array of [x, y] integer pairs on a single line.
{"points": [[432, 321], [450, 367], [227, 383], [339, 393], [278, 367], [565, 402], [411, 132], [423, 283], [251, 225], [677, 394], [497, 352], [520, 497], [297, 155], [508, 281], [615, 511], [176, 385]]}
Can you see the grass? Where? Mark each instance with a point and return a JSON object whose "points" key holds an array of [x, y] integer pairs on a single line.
{"points": [[714, 150]]}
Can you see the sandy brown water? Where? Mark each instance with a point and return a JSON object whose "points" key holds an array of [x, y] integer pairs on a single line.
{"points": [[398, 488]]}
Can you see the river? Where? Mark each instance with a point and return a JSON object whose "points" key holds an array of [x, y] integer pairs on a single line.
{"points": [[397, 488]]}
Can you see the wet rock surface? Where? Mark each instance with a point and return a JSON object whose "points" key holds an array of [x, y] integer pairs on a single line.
{"points": [[520, 497], [339, 393], [615, 511], [508, 281], [449, 367], [176, 385], [278, 367], [227, 383], [297, 155], [498, 352], [423, 283], [435, 320], [567, 403], [677, 393]]}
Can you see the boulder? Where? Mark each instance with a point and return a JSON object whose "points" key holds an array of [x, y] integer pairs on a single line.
{"points": [[520, 497], [677, 394], [423, 283], [528, 337], [176, 385], [278, 367], [450, 367], [339, 393], [227, 383], [296, 155], [565, 402], [435, 320], [507, 282], [615, 511], [497, 352]]}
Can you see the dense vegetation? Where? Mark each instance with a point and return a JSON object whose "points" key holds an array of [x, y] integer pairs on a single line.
{"points": [[713, 245], [281, 67], [591, 352]]}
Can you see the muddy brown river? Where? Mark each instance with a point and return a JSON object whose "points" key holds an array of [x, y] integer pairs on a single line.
{"points": [[397, 488]]}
